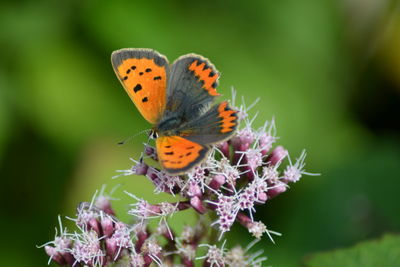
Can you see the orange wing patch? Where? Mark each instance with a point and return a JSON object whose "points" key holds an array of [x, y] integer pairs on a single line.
{"points": [[207, 75], [177, 154], [146, 83], [228, 116]]}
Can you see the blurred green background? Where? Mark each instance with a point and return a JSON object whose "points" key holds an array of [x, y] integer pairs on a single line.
{"points": [[328, 71]]}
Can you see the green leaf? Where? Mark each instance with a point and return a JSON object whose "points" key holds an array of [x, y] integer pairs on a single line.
{"points": [[381, 252]]}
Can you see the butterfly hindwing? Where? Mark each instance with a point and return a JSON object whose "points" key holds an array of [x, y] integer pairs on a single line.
{"points": [[178, 155], [144, 74], [191, 86], [214, 126]]}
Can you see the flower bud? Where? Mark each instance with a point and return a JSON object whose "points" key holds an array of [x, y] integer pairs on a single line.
{"points": [[107, 225], [262, 197], [197, 205], [111, 247], [224, 147], [140, 168], [54, 255], [104, 203], [194, 190], [277, 155], [217, 181], [276, 190], [93, 223]]}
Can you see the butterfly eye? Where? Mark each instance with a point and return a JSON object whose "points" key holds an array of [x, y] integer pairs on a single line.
{"points": [[153, 134]]}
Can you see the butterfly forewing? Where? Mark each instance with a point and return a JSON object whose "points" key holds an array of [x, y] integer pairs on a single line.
{"points": [[144, 74], [192, 86]]}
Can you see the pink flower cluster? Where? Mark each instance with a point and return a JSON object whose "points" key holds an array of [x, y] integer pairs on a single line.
{"points": [[238, 175], [102, 240]]}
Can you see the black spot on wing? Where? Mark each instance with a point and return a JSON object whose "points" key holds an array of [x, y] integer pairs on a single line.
{"points": [[169, 153], [157, 78], [137, 88], [133, 67], [140, 73], [145, 99], [148, 70]]}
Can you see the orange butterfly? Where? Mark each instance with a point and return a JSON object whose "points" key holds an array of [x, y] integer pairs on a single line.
{"points": [[176, 99]]}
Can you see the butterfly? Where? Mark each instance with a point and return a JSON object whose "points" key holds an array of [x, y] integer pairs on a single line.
{"points": [[177, 100]]}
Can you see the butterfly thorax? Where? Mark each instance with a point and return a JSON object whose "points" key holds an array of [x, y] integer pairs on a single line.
{"points": [[170, 125]]}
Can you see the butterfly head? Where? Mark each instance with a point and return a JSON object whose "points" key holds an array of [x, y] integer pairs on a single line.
{"points": [[153, 134]]}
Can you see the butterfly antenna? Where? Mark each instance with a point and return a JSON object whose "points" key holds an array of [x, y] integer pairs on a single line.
{"points": [[149, 138], [133, 136]]}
